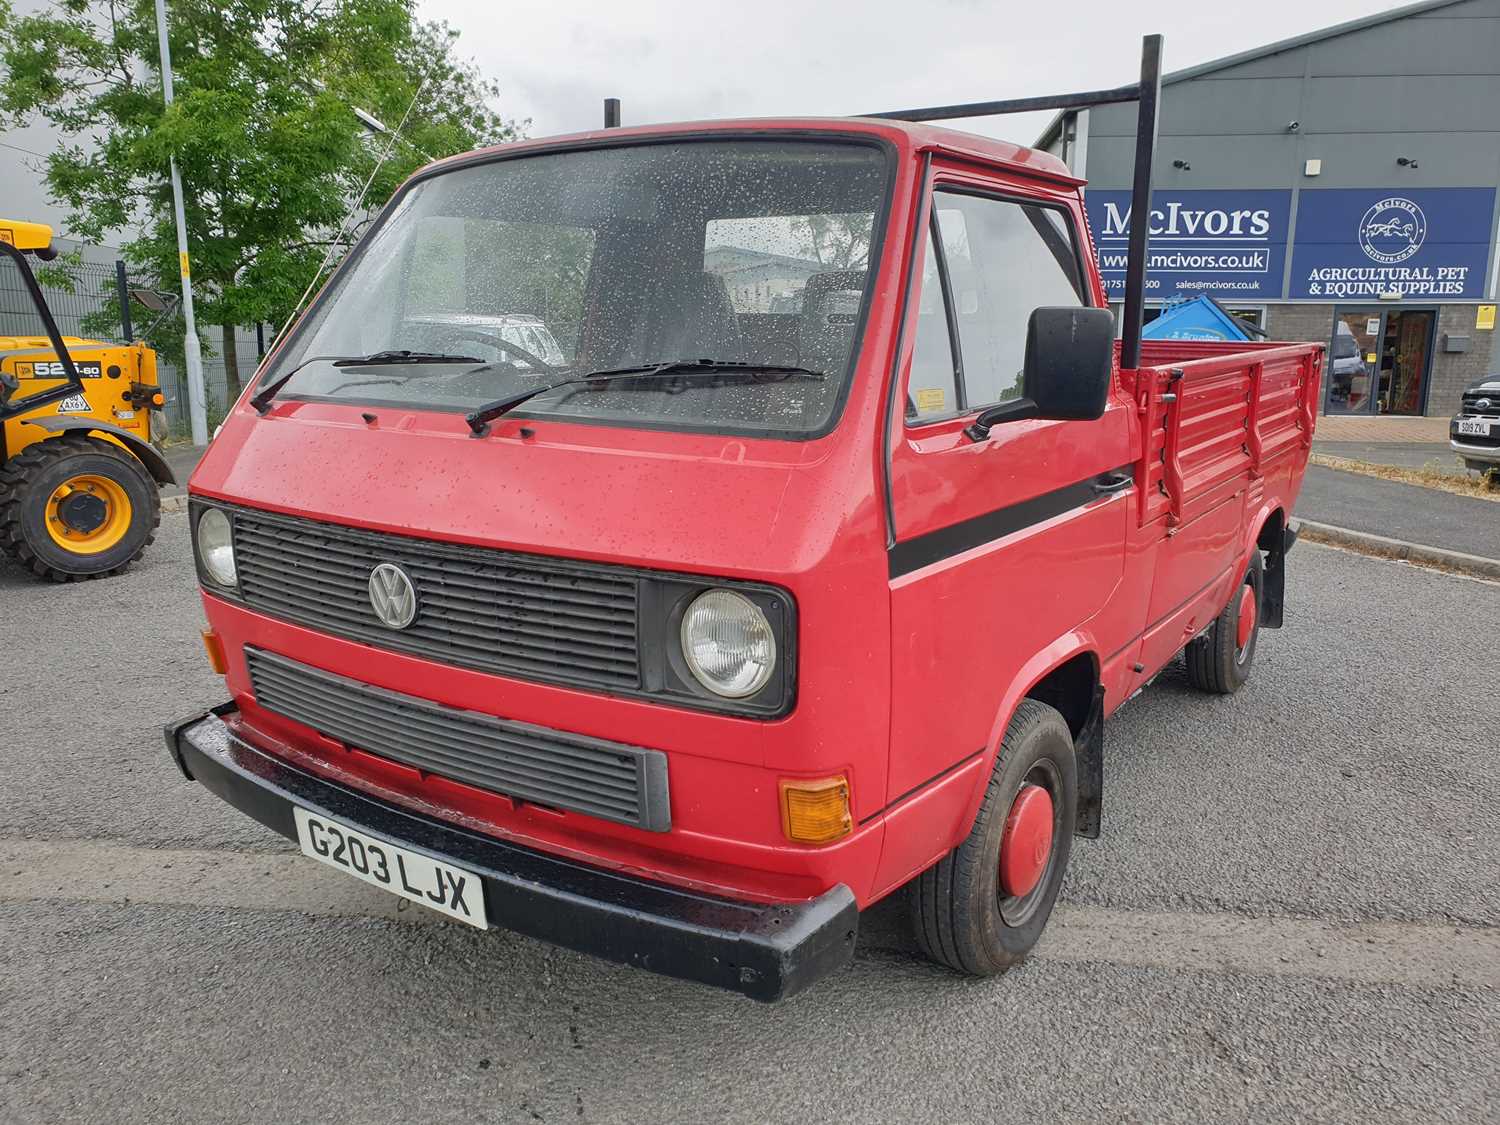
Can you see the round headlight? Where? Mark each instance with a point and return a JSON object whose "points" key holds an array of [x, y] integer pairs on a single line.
{"points": [[728, 644], [216, 546]]}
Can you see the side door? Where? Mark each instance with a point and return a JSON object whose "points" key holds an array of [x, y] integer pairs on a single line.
{"points": [[1004, 546]]}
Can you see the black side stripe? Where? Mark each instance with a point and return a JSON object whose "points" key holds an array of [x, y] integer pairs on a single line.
{"points": [[935, 546], [915, 789]]}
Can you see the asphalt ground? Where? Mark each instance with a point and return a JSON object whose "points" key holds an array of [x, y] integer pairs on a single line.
{"points": [[1291, 915], [1401, 511], [183, 459]]}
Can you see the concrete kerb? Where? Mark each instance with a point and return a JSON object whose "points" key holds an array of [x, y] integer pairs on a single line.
{"points": [[1367, 543]]}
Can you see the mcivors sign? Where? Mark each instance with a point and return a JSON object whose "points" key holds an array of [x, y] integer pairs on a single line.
{"points": [[1224, 243], [1357, 243]]}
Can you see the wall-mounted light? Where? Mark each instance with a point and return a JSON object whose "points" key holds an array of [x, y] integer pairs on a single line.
{"points": [[1405, 162], [1183, 164]]}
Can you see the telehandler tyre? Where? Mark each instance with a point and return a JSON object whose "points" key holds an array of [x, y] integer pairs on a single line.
{"points": [[1219, 661], [76, 507], [983, 906]]}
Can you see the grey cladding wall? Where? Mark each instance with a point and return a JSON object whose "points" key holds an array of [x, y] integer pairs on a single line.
{"points": [[1426, 86]]}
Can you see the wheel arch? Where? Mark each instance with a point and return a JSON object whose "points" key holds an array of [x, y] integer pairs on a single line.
{"points": [[143, 451], [1066, 677], [1269, 526], [1069, 689]]}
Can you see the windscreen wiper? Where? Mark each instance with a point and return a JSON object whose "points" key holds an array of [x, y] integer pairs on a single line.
{"points": [[696, 369], [263, 397], [403, 355]]}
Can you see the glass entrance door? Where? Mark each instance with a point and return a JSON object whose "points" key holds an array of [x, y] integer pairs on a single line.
{"points": [[1406, 352], [1353, 359], [1378, 361]]}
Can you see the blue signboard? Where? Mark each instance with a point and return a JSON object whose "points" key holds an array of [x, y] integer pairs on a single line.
{"points": [[1228, 244], [1358, 243]]}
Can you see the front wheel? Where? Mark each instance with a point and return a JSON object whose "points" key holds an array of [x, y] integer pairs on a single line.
{"points": [[76, 507], [983, 906], [1219, 661]]}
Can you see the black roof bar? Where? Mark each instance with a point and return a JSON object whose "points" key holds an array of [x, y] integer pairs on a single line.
{"points": [[1015, 105], [1147, 93], [1140, 203]]}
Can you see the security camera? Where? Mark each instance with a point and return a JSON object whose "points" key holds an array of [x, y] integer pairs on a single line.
{"points": [[1293, 126]]}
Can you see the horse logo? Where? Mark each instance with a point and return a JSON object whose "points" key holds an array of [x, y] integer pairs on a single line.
{"points": [[1392, 231]]}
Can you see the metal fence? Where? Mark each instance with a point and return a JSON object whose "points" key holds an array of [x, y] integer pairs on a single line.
{"points": [[90, 289], [80, 292]]}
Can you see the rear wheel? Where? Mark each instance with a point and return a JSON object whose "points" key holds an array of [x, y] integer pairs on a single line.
{"points": [[1219, 661], [76, 507], [983, 906]]}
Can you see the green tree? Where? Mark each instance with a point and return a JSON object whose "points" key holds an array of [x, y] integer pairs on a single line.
{"points": [[269, 147], [841, 242]]}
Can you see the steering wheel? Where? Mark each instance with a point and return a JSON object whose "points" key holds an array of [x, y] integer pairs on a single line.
{"points": [[536, 362]]}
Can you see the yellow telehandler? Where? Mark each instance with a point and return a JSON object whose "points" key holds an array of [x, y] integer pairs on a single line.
{"points": [[78, 471]]}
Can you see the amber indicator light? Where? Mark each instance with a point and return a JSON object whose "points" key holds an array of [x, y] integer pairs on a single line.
{"points": [[816, 811], [214, 647]]}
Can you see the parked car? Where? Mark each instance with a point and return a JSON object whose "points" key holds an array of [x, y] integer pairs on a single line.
{"points": [[489, 334], [687, 653], [1474, 432]]}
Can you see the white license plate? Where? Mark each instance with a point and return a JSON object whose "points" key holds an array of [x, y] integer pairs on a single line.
{"points": [[439, 886], [1473, 427]]}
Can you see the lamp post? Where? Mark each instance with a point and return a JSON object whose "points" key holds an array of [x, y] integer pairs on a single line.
{"points": [[196, 413]]}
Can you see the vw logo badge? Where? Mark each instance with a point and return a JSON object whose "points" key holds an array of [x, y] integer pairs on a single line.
{"points": [[1392, 231], [392, 596]]}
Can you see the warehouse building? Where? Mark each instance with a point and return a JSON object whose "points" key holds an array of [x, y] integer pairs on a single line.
{"points": [[1339, 186]]}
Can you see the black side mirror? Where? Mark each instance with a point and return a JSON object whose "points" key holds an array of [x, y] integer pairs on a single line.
{"points": [[1070, 354]]}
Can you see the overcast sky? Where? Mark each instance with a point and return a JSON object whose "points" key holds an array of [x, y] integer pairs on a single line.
{"points": [[673, 60], [691, 59]]}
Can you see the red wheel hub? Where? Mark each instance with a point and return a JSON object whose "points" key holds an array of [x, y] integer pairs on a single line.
{"points": [[1247, 616], [1027, 841]]}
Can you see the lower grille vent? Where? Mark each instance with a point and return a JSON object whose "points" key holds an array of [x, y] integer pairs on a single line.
{"points": [[626, 784]]}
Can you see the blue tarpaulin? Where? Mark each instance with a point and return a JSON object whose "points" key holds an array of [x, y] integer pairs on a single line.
{"points": [[1202, 318]]}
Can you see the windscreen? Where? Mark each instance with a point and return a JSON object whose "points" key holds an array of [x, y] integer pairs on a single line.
{"points": [[525, 271]]}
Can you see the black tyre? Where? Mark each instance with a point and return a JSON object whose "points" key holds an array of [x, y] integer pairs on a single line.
{"points": [[1219, 661], [974, 911], [76, 507]]}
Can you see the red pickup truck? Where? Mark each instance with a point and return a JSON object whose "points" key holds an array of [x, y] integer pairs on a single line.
{"points": [[666, 542]]}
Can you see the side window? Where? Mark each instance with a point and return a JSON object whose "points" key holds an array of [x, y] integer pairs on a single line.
{"points": [[1004, 259], [931, 388]]}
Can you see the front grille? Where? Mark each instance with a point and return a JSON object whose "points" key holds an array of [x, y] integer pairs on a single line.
{"points": [[1471, 403], [527, 616], [626, 784]]}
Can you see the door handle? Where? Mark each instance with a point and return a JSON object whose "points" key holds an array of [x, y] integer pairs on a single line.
{"points": [[1113, 482]]}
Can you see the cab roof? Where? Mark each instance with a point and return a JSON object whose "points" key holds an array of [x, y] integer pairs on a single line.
{"points": [[910, 138], [25, 236]]}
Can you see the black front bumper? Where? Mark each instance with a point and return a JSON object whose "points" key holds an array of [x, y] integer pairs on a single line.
{"points": [[766, 952]]}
